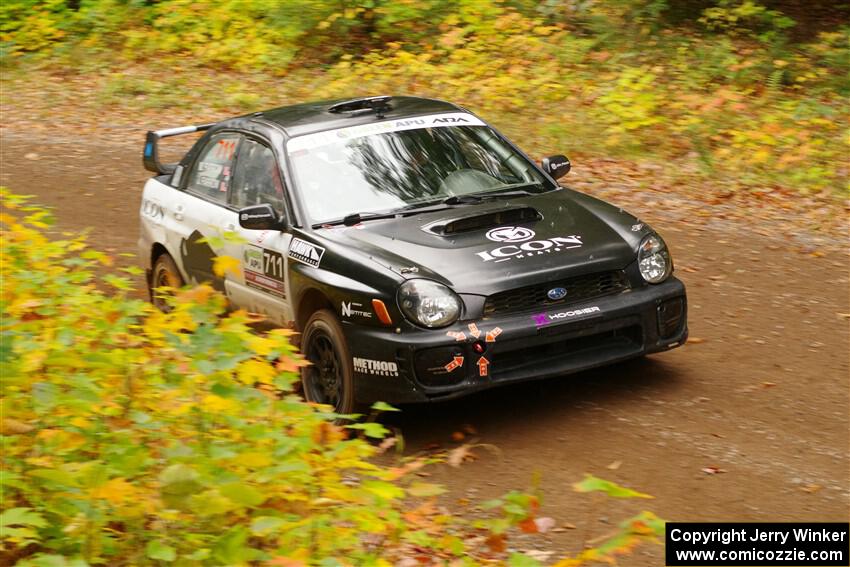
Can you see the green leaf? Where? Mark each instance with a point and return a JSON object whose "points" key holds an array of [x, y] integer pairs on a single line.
{"points": [[178, 482], [383, 406], [265, 525], [54, 475], [522, 560], [231, 547], [21, 517], [385, 490], [594, 484], [243, 494], [158, 550], [43, 560], [372, 429]]}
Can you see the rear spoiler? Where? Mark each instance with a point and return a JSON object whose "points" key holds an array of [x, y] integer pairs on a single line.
{"points": [[150, 157]]}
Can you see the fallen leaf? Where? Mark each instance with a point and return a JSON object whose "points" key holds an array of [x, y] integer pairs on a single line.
{"points": [[594, 484], [614, 466], [713, 470], [811, 488], [10, 426], [528, 526], [544, 524], [695, 341], [496, 542], [458, 436], [568, 526], [460, 454], [285, 562], [387, 443], [768, 384], [538, 554]]}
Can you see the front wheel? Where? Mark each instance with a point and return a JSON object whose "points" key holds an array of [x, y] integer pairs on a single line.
{"points": [[329, 378]]}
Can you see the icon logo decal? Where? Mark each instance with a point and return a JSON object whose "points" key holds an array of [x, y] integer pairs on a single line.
{"points": [[528, 249], [510, 234]]}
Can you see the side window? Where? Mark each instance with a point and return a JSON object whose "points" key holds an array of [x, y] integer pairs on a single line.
{"points": [[256, 178], [210, 175]]}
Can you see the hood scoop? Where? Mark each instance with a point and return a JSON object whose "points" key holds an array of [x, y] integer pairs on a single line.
{"points": [[469, 223]]}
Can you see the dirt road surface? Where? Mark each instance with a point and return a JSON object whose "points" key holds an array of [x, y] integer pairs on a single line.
{"points": [[748, 422]]}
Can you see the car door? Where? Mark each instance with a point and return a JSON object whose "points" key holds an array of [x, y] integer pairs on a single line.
{"points": [[201, 213], [263, 287]]}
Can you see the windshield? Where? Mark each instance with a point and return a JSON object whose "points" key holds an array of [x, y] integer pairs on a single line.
{"points": [[397, 164]]}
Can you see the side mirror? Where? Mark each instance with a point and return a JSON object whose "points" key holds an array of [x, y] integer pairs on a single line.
{"points": [[556, 166], [260, 217]]}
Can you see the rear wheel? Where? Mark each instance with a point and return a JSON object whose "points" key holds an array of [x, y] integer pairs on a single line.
{"points": [[164, 276], [329, 378]]}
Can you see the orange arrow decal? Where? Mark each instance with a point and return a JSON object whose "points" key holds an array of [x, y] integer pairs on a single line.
{"points": [[458, 336], [483, 363], [456, 363], [473, 330], [491, 336]]}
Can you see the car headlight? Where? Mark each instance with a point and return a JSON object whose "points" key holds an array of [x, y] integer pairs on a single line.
{"points": [[428, 303], [654, 259]]}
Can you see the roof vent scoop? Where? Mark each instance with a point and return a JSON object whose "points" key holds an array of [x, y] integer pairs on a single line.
{"points": [[356, 106]]}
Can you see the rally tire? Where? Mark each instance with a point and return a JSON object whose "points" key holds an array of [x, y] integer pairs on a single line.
{"points": [[164, 275], [329, 378]]}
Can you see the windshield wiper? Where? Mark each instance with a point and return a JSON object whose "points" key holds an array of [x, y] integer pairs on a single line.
{"points": [[506, 192], [478, 197], [356, 218]]}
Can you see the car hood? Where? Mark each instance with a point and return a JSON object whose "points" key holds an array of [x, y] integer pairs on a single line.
{"points": [[490, 246]]}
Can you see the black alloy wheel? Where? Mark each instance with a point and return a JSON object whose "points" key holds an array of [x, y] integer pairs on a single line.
{"points": [[329, 378]]}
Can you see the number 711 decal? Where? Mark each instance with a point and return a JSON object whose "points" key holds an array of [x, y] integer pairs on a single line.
{"points": [[264, 270]]}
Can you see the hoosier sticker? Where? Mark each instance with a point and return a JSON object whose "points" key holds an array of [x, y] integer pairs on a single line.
{"points": [[305, 252], [541, 319]]}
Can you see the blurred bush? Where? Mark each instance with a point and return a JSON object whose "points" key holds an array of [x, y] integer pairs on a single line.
{"points": [[752, 90], [135, 437]]}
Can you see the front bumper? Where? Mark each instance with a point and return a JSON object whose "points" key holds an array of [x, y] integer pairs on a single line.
{"points": [[474, 355]]}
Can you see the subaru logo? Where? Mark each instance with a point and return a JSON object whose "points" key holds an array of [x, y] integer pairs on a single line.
{"points": [[510, 234], [557, 293]]}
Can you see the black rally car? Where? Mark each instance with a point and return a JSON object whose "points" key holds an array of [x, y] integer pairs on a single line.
{"points": [[420, 253]]}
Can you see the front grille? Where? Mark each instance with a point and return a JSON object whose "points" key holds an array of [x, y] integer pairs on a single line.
{"points": [[576, 352], [580, 288]]}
